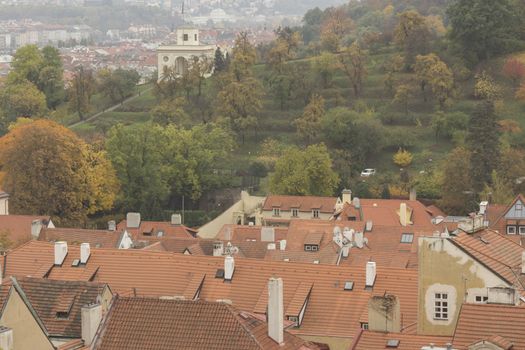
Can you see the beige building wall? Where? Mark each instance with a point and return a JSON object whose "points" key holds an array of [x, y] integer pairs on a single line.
{"points": [[27, 334], [444, 268], [4, 206]]}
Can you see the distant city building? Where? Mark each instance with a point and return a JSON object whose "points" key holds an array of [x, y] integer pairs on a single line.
{"points": [[177, 56]]}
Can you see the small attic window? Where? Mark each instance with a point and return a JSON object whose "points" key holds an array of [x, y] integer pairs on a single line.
{"points": [[160, 234], [392, 343], [75, 263], [349, 285], [61, 315], [407, 238], [483, 240], [219, 273]]}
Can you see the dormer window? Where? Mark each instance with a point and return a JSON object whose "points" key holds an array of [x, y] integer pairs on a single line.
{"points": [[62, 315], [311, 248], [315, 213], [521, 230], [295, 212], [276, 211], [511, 230], [441, 306]]}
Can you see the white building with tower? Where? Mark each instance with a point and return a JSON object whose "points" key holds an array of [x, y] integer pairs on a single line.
{"points": [[180, 56]]}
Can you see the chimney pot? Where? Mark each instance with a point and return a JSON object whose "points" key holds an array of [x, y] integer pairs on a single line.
{"points": [[85, 252], [36, 227], [91, 316], [370, 273], [112, 225], [347, 196], [229, 268], [60, 252], [275, 310], [133, 220]]}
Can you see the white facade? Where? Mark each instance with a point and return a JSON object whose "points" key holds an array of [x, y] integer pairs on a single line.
{"points": [[4, 203], [180, 56]]}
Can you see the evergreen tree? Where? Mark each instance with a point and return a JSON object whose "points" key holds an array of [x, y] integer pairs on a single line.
{"points": [[220, 61], [483, 144]]}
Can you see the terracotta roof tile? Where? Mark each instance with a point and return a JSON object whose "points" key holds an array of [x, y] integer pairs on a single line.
{"points": [[303, 203], [370, 340], [479, 322], [154, 228], [18, 227], [96, 238], [150, 273], [143, 323], [299, 299]]}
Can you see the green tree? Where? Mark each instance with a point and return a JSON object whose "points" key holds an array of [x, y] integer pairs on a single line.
{"points": [[412, 35], [486, 88], [170, 112], [456, 182], [244, 55], [499, 191], [240, 103], [80, 91], [324, 66], [482, 29], [50, 171], [117, 84], [219, 63], [309, 124], [21, 100], [483, 144], [26, 65], [352, 61], [304, 172]]}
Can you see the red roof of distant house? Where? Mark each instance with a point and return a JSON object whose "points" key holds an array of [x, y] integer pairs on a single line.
{"points": [[303, 203], [18, 227], [156, 229], [147, 323], [369, 340]]}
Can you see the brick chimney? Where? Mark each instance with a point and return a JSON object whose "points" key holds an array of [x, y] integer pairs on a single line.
{"points": [[85, 252], [229, 268], [370, 274], [91, 317], [275, 310], [60, 252]]}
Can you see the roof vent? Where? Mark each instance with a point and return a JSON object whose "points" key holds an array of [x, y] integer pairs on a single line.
{"points": [[75, 263], [392, 343], [356, 202], [369, 225], [316, 262], [349, 285], [219, 273], [271, 246], [112, 225]]}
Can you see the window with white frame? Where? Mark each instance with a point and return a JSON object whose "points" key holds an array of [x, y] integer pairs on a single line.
{"points": [[481, 299], [276, 211], [441, 306], [315, 213], [511, 230], [522, 230], [295, 212], [364, 325]]}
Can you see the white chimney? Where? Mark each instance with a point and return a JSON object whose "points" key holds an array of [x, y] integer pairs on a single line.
{"points": [[523, 262], [60, 252], [412, 194], [133, 220], [218, 248], [347, 196], [483, 207], [359, 239], [370, 273], [356, 202], [85, 252], [6, 338], [282, 244], [348, 234], [112, 225], [271, 246], [36, 227], [369, 225], [229, 268], [91, 316], [275, 310], [267, 234], [176, 220], [403, 214], [346, 251]]}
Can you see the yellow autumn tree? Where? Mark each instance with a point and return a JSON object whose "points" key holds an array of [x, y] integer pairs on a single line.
{"points": [[49, 170], [402, 158]]}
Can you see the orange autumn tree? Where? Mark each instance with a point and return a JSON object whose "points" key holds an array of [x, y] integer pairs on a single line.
{"points": [[49, 170]]}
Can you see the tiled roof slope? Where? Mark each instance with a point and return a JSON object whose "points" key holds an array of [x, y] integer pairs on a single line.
{"points": [[96, 238], [18, 227], [47, 297], [150, 273], [496, 214], [482, 322], [303, 203], [169, 230], [146, 323], [369, 340], [496, 251]]}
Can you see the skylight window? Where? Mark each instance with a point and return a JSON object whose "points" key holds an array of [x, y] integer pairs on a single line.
{"points": [[407, 238], [349, 285], [392, 343]]}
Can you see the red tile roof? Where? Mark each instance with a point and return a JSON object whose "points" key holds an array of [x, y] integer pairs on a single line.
{"points": [[150, 273], [18, 227], [369, 340], [153, 228], [479, 322], [145, 323], [496, 214], [96, 238], [303, 203]]}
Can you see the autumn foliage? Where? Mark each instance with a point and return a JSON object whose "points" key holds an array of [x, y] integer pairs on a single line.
{"points": [[514, 70]]}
